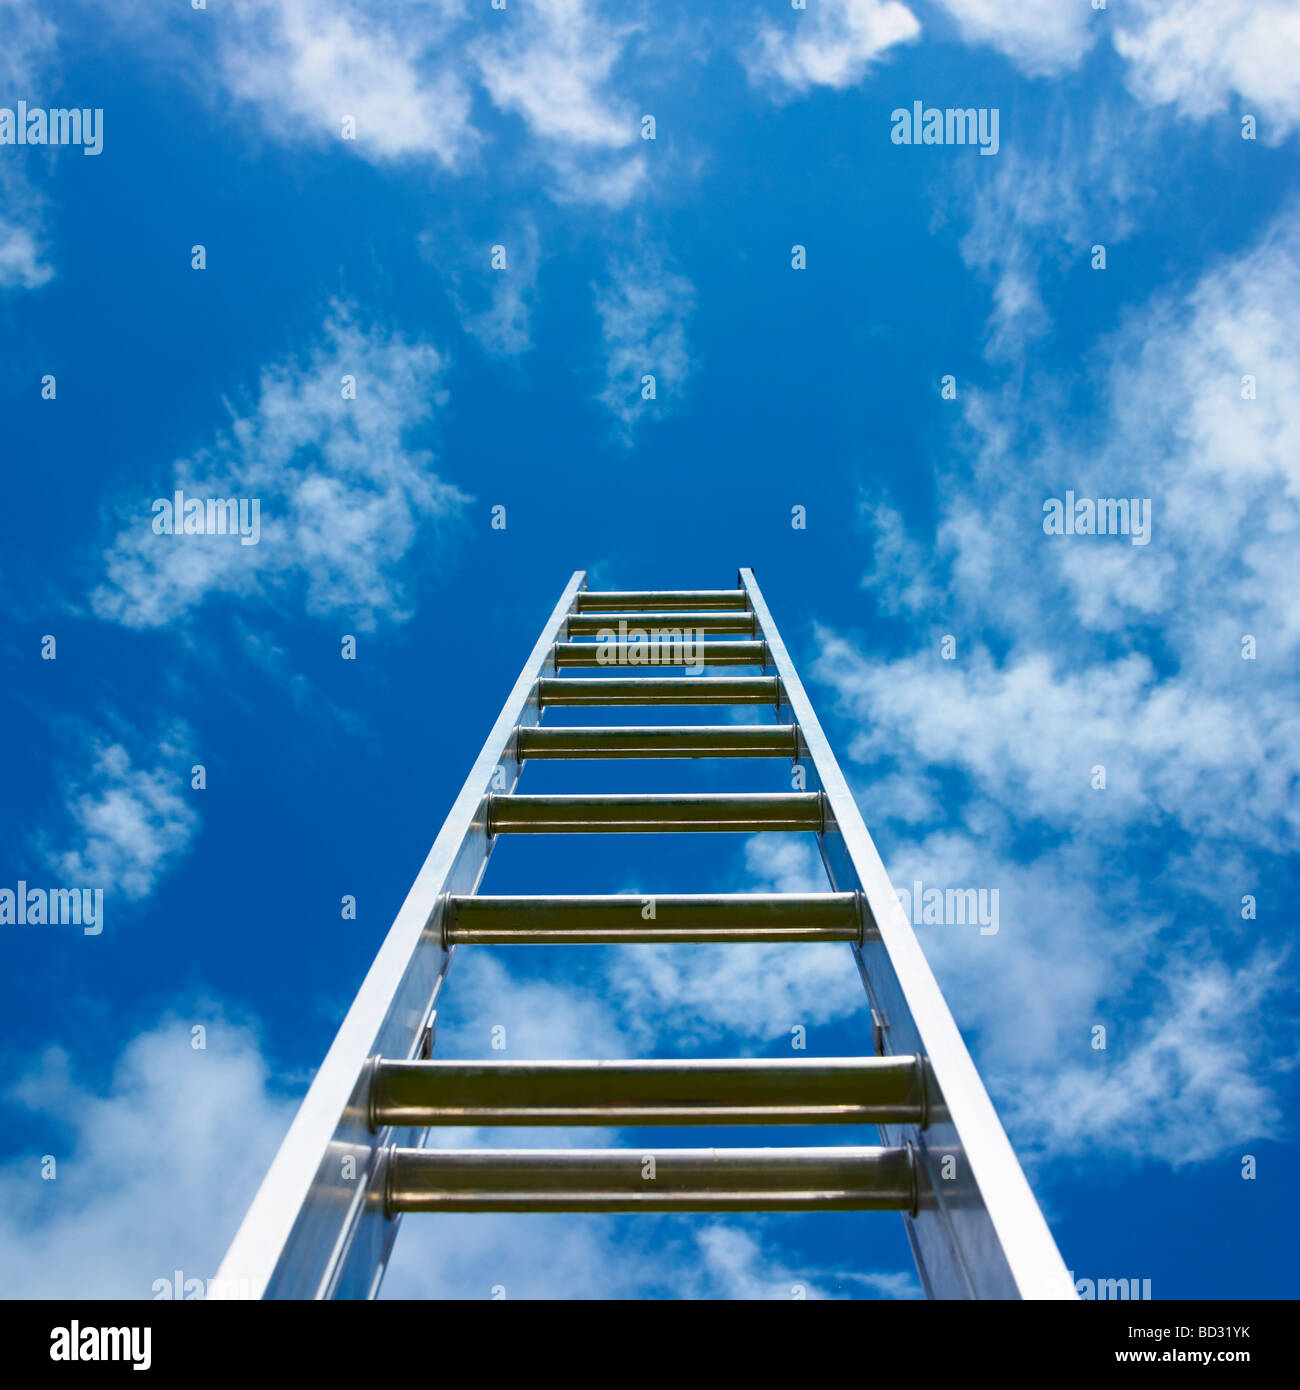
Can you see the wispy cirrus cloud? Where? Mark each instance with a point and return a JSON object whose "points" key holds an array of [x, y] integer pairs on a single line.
{"points": [[834, 43], [1205, 1063], [1047, 202], [496, 302], [30, 41], [126, 818], [643, 308], [28, 49]]}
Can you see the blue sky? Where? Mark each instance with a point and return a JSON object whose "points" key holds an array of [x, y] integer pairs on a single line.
{"points": [[776, 388]]}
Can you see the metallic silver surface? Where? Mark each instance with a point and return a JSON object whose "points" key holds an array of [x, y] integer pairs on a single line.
{"points": [[685, 741], [665, 600], [317, 1227], [671, 917], [651, 812], [840, 1090], [660, 690], [830, 1179], [977, 1232], [669, 626]]}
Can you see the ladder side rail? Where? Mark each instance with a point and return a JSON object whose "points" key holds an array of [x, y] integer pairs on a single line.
{"points": [[317, 1227], [979, 1233]]}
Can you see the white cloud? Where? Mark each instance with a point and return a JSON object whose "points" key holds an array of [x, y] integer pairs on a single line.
{"points": [[610, 183], [833, 43], [1041, 36], [1028, 990], [1189, 1084], [28, 43], [306, 64], [1192, 742], [22, 263], [410, 77], [1029, 731], [900, 573], [148, 1179], [1049, 200], [697, 994], [148, 1184], [126, 823], [1120, 655], [752, 993], [1199, 54], [343, 499], [541, 1018], [737, 1266], [552, 67], [498, 310], [576, 1256], [890, 1286], [573, 1256], [784, 864], [643, 310]]}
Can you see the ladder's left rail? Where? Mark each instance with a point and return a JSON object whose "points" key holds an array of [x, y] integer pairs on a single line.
{"points": [[318, 1227]]}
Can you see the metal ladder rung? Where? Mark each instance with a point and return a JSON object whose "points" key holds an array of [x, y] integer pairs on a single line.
{"points": [[841, 1090], [659, 690], [584, 625], [821, 1179], [678, 917], [652, 812], [635, 741], [665, 653], [662, 600]]}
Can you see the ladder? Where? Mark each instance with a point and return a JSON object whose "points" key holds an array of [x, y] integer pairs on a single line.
{"points": [[323, 1222]]}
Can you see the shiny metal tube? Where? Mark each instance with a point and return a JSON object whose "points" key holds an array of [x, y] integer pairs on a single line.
{"points": [[840, 1090], [638, 656], [823, 1179], [684, 741], [664, 600], [660, 690], [677, 917], [651, 812], [668, 626]]}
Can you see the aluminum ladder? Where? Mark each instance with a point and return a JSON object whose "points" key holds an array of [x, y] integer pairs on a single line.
{"points": [[323, 1222]]}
